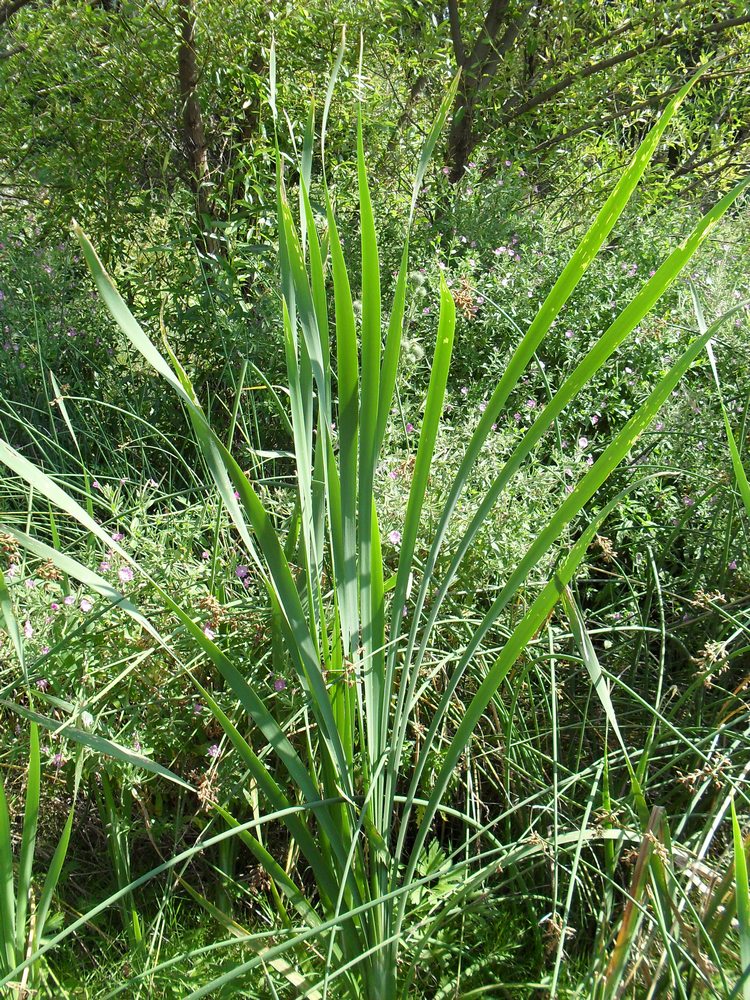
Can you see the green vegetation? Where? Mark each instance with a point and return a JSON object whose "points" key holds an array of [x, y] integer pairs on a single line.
{"points": [[373, 539]]}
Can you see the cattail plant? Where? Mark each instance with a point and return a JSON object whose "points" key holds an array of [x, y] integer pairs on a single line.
{"points": [[359, 639]]}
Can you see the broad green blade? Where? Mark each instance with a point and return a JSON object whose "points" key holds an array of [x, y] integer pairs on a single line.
{"points": [[279, 801], [549, 310], [98, 743], [417, 493], [739, 470], [11, 622], [545, 602], [743, 902], [607, 344], [28, 840], [601, 687], [7, 890], [52, 878], [344, 539]]}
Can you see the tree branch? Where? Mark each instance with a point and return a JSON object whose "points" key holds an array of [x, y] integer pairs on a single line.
{"points": [[512, 112], [12, 7], [455, 24]]}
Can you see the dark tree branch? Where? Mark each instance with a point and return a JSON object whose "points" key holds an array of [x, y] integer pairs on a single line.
{"points": [[7, 53], [193, 130], [512, 110], [502, 48], [455, 24], [493, 22], [12, 7]]}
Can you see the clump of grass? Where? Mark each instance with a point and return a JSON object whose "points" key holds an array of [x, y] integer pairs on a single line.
{"points": [[359, 798]]}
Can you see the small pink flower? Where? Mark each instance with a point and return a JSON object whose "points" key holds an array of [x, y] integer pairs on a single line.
{"points": [[208, 632], [125, 573], [517, 417], [28, 629], [583, 442], [103, 566], [236, 495], [54, 606], [595, 419], [117, 536], [85, 605], [446, 170], [205, 555], [279, 684], [197, 708], [394, 537], [732, 565], [69, 599], [42, 683], [409, 428], [95, 485], [242, 572], [12, 570], [393, 474], [213, 751], [569, 334]]}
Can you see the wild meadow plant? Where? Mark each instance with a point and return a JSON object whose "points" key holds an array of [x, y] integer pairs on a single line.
{"points": [[361, 811]]}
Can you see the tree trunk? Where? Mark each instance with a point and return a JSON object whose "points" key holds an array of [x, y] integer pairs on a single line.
{"points": [[193, 132]]}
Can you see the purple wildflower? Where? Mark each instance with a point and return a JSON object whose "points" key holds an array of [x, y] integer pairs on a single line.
{"points": [[125, 574]]}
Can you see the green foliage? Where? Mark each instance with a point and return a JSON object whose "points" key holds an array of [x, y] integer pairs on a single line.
{"points": [[300, 656]]}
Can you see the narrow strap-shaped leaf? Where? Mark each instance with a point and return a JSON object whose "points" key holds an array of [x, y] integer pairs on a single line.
{"points": [[98, 743], [11, 622], [223, 466], [276, 797], [425, 451], [582, 493], [739, 470], [392, 350], [7, 890], [742, 894], [610, 340], [601, 687], [368, 419], [347, 375], [548, 311], [52, 878], [28, 840]]}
